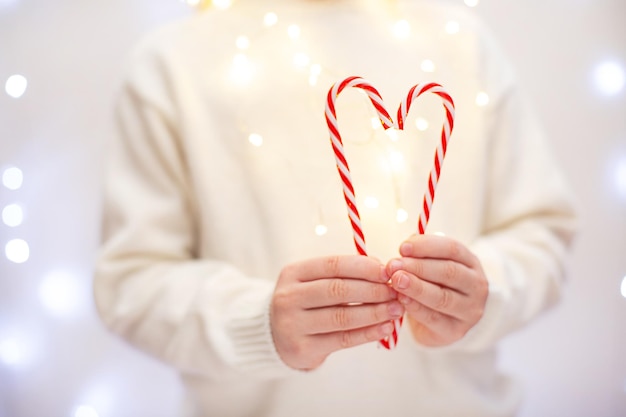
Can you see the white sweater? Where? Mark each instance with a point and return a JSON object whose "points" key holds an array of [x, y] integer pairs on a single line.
{"points": [[199, 221]]}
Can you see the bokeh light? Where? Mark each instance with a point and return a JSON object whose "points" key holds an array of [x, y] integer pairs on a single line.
{"points": [[421, 124], [18, 348], [270, 19], [321, 230], [401, 215], [402, 29], [620, 177], [482, 99], [452, 27], [255, 139], [17, 251], [12, 178], [428, 66], [242, 70], [11, 353], [60, 294], [85, 411], [221, 4], [242, 42], [371, 202], [15, 85], [293, 31], [12, 215], [609, 78]]}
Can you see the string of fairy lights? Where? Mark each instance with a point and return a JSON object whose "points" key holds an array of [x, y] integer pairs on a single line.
{"points": [[391, 160], [607, 77]]}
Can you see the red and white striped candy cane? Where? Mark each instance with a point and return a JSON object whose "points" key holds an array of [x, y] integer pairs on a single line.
{"points": [[344, 170], [337, 143], [440, 153]]}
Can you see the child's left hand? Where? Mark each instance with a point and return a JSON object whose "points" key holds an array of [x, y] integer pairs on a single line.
{"points": [[442, 286]]}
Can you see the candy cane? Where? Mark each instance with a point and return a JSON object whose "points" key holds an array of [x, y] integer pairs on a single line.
{"points": [[340, 157], [344, 170], [440, 153]]}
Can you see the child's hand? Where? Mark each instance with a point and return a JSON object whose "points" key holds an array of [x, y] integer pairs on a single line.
{"points": [[442, 286], [314, 311]]}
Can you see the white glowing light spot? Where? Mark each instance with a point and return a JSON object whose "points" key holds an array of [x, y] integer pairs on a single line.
{"points": [[421, 124], [17, 251], [623, 287], [255, 139], [8, 3], [402, 215], [371, 202], [471, 3], [221, 4], [242, 42], [314, 72], [293, 31], [85, 411], [12, 178], [12, 215], [428, 66], [270, 19], [482, 99], [316, 69], [439, 234], [396, 159], [59, 293], [242, 70], [16, 85], [609, 78], [452, 27], [11, 353], [620, 177], [402, 29], [376, 123], [321, 230], [19, 347], [301, 60], [393, 134]]}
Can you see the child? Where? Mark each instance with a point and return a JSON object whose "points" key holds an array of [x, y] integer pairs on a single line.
{"points": [[227, 249]]}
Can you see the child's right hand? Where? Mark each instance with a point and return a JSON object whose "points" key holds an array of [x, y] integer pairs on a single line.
{"points": [[326, 304]]}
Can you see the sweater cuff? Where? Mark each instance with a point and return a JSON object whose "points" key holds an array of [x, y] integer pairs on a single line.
{"points": [[489, 329], [252, 346]]}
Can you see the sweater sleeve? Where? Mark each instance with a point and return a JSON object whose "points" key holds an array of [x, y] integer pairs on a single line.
{"points": [[200, 316], [530, 223], [529, 218]]}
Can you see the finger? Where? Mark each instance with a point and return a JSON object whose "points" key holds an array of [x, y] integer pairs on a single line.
{"points": [[436, 321], [433, 296], [333, 319], [349, 266], [335, 291], [437, 247], [447, 273], [331, 342]]}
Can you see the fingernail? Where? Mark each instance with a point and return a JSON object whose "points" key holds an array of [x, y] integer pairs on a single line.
{"points": [[405, 249], [402, 282], [395, 310], [395, 264], [384, 276]]}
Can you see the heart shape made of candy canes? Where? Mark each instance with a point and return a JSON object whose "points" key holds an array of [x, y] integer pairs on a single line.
{"points": [[387, 122]]}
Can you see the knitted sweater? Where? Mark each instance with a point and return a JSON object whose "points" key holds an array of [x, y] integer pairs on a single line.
{"points": [[223, 173]]}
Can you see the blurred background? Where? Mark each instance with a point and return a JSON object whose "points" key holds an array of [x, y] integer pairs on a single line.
{"points": [[60, 65]]}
